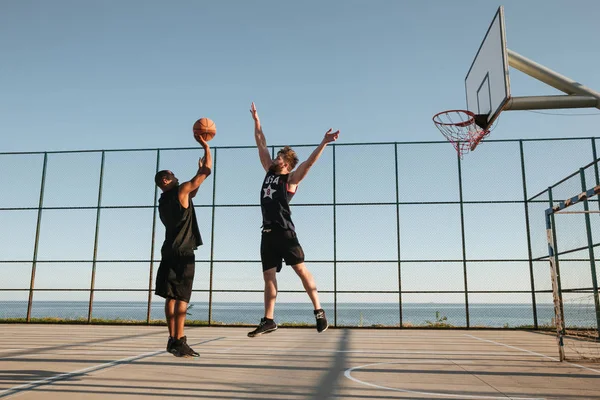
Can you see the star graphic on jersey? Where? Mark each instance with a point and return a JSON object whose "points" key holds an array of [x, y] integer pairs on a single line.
{"points": [[269, 192]]}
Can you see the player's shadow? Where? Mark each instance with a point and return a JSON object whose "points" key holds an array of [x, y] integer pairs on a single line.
{"points": [[26, 375], [328, 384]]}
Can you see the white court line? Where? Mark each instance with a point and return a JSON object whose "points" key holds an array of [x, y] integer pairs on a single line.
{"points": [[22, 388], [269, 350], [105, 354], [531, 352], [348, 374], [222, 350], [22, 349], [27, 386]]}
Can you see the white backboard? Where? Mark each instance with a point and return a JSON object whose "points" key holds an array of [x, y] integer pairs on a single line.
{"points": [[487, 85]]}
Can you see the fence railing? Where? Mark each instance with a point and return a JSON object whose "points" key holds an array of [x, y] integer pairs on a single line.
{"points": [[397, 234]]}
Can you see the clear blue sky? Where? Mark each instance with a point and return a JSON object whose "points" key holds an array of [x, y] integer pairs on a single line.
{"points": [[137, 74]]}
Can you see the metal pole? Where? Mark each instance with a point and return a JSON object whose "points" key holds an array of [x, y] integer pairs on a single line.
{"points": [[528, 232], [550, 77], [588, 229], [554, 274], [464, 246], [37, 238], [557, 263], [334, 246], [154, 211], [212, 238], [549, 102], [93, 281], [596, 174], [398, 234]]}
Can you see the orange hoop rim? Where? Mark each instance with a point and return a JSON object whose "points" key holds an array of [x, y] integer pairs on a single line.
{"points": [[460, 124]]}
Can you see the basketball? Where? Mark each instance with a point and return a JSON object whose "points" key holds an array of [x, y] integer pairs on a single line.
{"points": [[206, 128]]}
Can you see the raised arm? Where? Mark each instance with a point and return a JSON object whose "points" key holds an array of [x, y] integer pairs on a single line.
{"points": [[189, 189], [261, 142], [302, 170]]}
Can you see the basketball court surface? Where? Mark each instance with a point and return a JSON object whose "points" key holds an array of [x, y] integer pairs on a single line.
{"points": [[130, 362], [116, 362]]}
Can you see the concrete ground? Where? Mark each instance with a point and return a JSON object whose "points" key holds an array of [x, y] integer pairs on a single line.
{"points": [[130, 362]]}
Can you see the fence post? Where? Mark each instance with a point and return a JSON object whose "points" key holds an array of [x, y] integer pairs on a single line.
{"points": [[463, 241], [93, 280], [528, 233], [37, 238], [596, 173], [212, 238], [334, 245], [154, 209], [398, 234]]}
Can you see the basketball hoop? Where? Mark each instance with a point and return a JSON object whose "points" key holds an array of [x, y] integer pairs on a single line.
{"points": [[460, 128]]}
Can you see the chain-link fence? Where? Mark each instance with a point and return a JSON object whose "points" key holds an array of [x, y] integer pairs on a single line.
{"points": [[396, 234]]}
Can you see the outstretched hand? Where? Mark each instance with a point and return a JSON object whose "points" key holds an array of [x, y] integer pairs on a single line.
{"points": [[253, 112], [331, 136], [200, 139], [201, 162]]}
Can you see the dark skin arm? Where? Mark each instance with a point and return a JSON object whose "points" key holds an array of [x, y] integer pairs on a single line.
{"points": [[188, 190]]}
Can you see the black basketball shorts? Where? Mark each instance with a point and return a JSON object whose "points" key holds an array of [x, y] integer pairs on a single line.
{"points": [[276, 245], [175, 276]]}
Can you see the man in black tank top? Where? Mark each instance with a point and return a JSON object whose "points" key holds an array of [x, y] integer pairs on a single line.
{"points": [[279, 240], [175, 274]]}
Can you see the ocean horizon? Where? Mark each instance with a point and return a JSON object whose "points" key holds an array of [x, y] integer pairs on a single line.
{"points": [[491, 315]]}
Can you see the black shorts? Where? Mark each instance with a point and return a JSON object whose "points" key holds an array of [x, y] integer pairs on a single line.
{"points": [[276, 245], [175, 276]]}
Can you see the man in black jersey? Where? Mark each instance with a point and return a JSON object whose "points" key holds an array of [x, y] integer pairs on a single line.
{"points": [[175, 274], [279, 240]]}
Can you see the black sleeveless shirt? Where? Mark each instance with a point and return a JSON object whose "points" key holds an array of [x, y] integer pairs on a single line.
{"points": [[182, 234], [275, 202]]}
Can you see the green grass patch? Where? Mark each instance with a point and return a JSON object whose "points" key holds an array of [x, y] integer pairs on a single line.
{"points": [[96, 321]]}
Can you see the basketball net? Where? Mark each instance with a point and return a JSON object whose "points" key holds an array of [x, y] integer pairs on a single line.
{"points": [[460, 129]]}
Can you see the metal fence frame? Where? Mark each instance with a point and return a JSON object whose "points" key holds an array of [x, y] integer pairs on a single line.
{"points": [[525, 202]]}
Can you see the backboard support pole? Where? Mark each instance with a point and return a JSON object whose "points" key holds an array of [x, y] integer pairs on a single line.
{"points": [[555, 80], [550, 102]]}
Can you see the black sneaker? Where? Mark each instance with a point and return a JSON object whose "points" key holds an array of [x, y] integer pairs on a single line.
{"points": [[176, 348], [265, 326], [180, 348], [185, 350], [170, 344], [322, 324]]}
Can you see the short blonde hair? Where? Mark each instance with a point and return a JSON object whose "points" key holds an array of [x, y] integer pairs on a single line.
{"points": [[289, 156]]}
